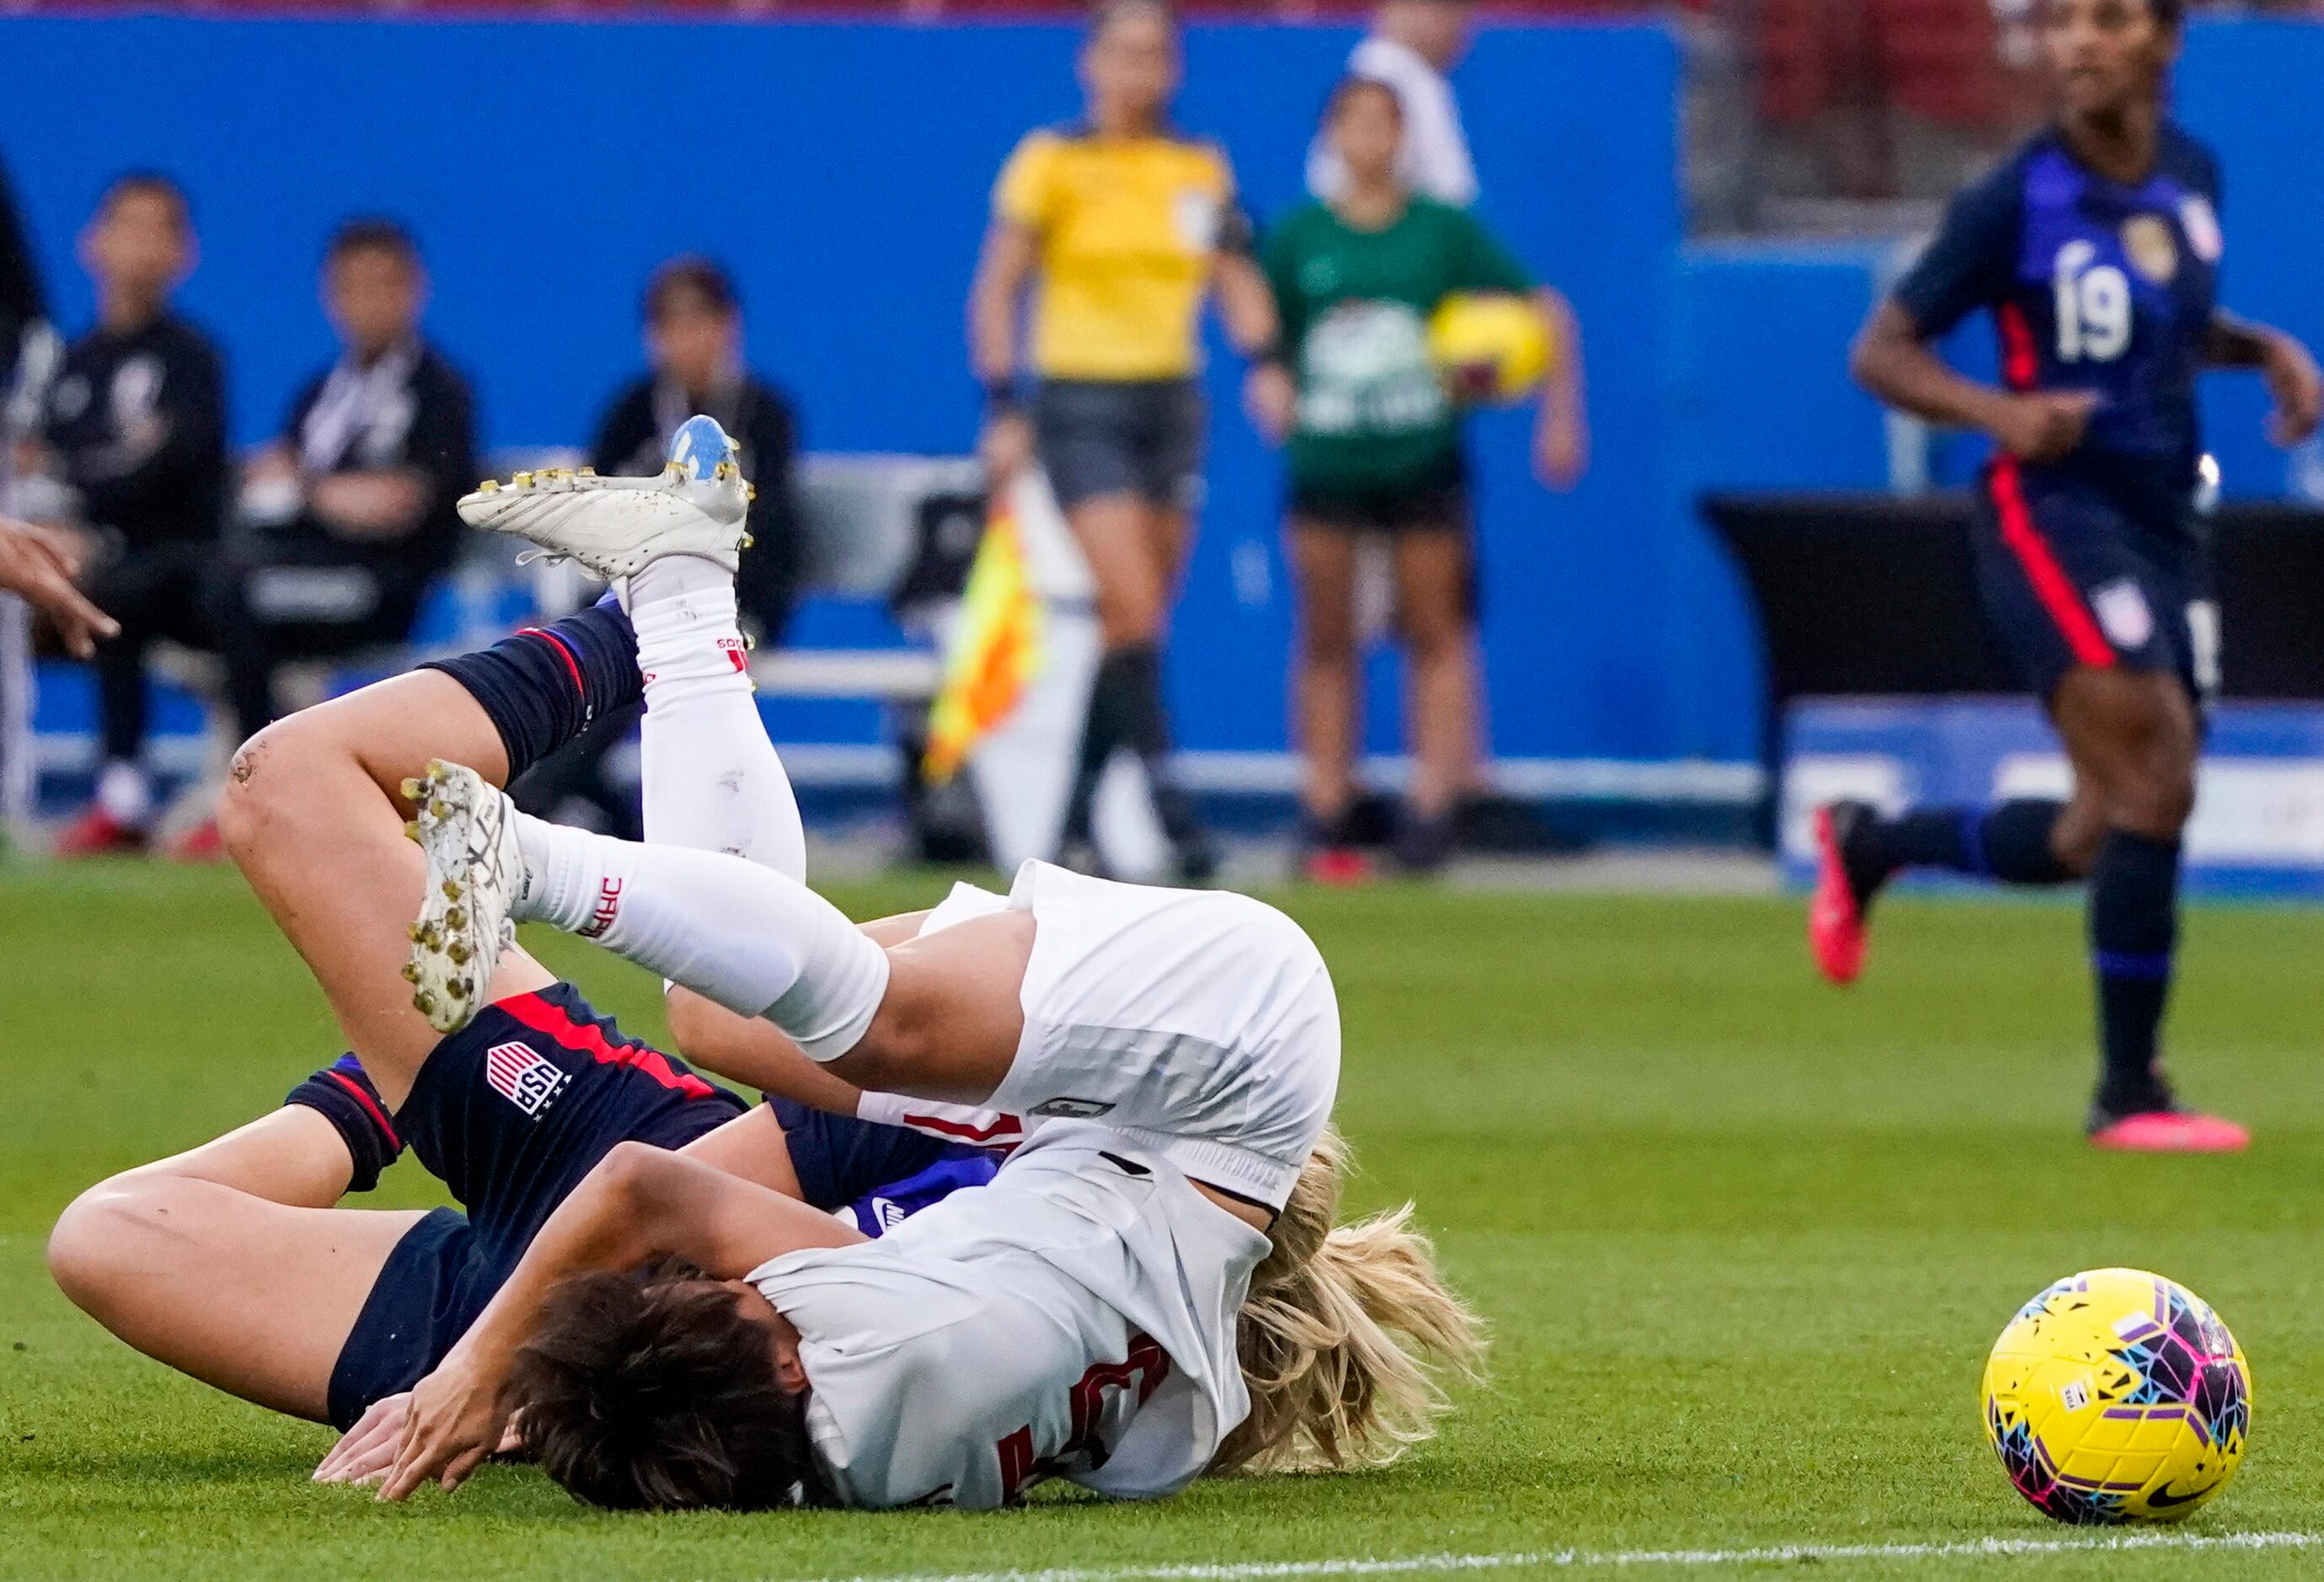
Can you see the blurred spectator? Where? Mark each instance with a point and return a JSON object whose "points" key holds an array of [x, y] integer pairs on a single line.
{"points": [[1120, 228], [694, 354], [1376, 455], [22, 306], [23, 378], [133, 435], [695, 363], [349, 515], [1413, 43]]}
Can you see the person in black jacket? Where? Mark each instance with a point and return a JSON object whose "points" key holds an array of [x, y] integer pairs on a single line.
{"points": [[22, 304], [694, 344], [134, 432], [351, 510], [694, 351]]}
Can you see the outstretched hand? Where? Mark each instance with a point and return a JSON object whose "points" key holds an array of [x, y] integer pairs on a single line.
{"points": [[452, 1424], [40, 565], [366, 1453]]}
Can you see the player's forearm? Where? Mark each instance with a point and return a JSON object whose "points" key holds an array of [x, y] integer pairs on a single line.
{"points": [[992, 299], [1890, 360], [2231, 341], [1247, 304], [598, 1227]]}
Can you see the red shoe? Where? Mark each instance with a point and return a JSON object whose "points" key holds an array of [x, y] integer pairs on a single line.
{"points": [[96, 833], [202, 843], [1341, 866], [2171, 1131], [1836, 935]]}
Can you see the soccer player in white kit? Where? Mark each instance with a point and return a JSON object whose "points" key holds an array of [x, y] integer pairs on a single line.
{"points": [[1173, 1056]]}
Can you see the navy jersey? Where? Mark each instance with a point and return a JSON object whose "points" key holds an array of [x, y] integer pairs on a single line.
{"points": [[137, 422], [2094, 286]]}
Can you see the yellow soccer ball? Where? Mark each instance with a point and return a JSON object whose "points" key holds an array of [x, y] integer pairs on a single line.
{"points": [[1489, 348], [2117, 1397]]}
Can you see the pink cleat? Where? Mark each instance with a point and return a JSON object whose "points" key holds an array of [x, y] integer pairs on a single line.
{"points": [[1836, 934], [2171, 1131]]}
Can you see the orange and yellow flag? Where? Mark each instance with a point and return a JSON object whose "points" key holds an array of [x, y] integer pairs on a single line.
{"points": [[995, 650]]}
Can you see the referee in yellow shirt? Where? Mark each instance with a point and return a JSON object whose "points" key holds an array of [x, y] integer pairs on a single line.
{"points": [[1123, 228]]}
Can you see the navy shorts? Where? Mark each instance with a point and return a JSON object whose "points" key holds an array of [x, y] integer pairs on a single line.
{"points": [[1122, 437], [512, 1111], [2072, 573]]}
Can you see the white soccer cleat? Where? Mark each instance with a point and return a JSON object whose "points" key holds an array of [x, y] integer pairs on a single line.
{"points": [[467, 828], [618, 526]]}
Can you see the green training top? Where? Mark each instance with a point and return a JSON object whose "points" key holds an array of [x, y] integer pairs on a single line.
{"points": [[1355, 307]]}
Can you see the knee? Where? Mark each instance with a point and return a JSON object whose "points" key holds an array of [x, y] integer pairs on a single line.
{"points": [[262, 785], [1129, 617], [1327, 643], [1432, 636], [2155, 798], [92, 1249]]}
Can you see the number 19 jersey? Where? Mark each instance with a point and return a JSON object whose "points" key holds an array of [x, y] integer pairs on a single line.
{"points": [[2094, 285]]}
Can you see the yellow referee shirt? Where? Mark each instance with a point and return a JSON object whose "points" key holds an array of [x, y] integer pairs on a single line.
{"points": [[1128, 228]]}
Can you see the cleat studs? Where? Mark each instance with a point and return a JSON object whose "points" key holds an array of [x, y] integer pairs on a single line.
{"points": [[749, 492], [451, 889], [748, 540], [411, 972], [412, 830], [412, 788], [438, 808], [489, 486], [454, 917], [426, 1002], [520, 481], [416, 934], [459, 953], [587, 472]]}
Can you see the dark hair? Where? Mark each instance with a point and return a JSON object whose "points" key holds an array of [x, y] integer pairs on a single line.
{"points": [[149, 184], [372, 233], [651, 1391], [697, 275], [1347, 87], [2167, 14]]}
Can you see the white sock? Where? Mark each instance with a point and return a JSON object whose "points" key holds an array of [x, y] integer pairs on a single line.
{"points": [[124, 794], [750, 939], [711, 780]]}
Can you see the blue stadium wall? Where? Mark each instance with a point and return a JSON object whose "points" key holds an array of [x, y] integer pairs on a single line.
{"points": [[842, 171]]}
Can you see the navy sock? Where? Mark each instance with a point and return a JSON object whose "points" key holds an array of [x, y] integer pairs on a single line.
{"points": [[2133, 929], [1920, 837], [1110, 722], [2011, 842], [545, 685], [342, 1094]]}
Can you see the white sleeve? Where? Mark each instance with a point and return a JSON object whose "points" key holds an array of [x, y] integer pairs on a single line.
{"points": [[1436, 160], [1436, 148]]}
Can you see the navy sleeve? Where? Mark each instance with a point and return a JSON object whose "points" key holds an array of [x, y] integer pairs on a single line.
{"points": [[1971, 263]]}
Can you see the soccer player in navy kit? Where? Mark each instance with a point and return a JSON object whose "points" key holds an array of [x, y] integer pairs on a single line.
{"points": [[2097, 250]]}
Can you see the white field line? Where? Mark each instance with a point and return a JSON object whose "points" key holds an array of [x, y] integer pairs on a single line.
{"points": [[1570, 1559]]}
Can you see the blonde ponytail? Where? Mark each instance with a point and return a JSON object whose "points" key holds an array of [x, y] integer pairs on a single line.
{"points": [[1347, 1336]]}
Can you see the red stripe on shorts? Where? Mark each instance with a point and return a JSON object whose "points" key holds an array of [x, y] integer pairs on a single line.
{"points": [[2051, 586], [554, 1021], [364, 1098], [571, 666], [1005, 1126]]}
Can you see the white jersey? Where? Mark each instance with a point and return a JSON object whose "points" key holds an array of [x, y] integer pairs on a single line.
{"points": [[1435, 160], [1075, 1319], [1200, 1024]]}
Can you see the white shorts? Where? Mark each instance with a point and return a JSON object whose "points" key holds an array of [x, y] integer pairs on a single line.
{"points": [[1200, 1024]]}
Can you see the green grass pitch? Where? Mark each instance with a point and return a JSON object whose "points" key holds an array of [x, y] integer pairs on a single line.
{"points": [[1743, 1240]]}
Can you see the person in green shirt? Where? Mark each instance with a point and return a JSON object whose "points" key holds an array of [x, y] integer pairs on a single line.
{"points": [[1374, 446]]}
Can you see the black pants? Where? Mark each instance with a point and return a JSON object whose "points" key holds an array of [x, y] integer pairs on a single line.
{"points": [[155, 592], [301, 593]]}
